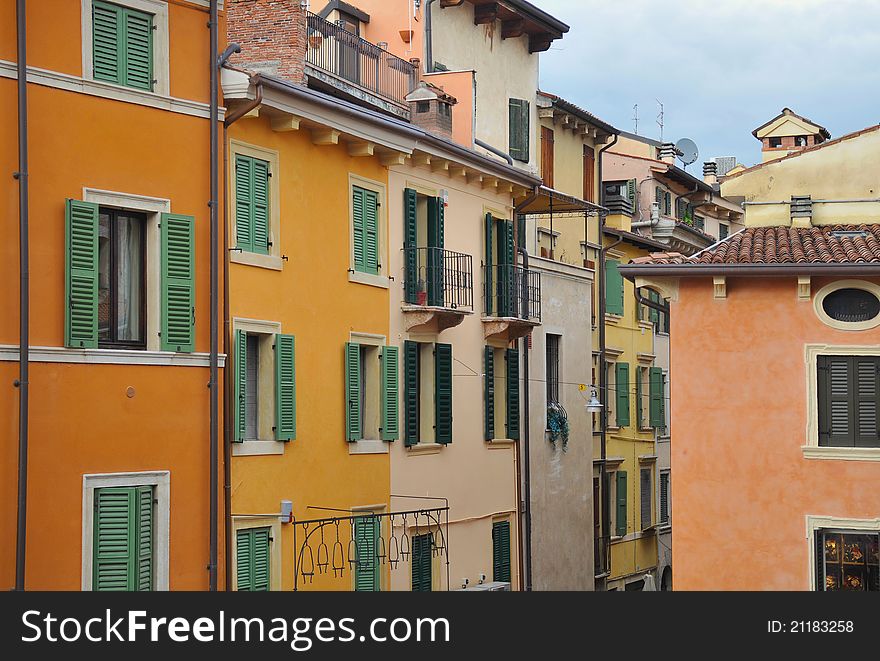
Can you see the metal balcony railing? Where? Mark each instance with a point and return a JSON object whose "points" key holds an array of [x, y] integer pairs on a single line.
{"points": [[439, 278], [511, 291], [345, 55]]}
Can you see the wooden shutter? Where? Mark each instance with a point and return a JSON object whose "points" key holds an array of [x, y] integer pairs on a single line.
{"points": [[244, 203], [411, 391], [645, 498], [506, 279], [434, 272], [358, 240], [547, 156], [655, 381], [138, 41], [849, 398], [123, 539], [659, 196], [512, 357], [622, 386], [662, 403], [664, 497], [613, 287], [107, 39], [489, 388], [81, 275], [866, 400], [681, 207], [631, 194], [589, 174], [501, 551], [178, 283], [353, 431], [620, 518], [410, 244], [488, 283], [240, 404], [390, 394], [639, 416], [366, 535], [260, 214], [519, 129], [443, 393], [145, 532], [285, 387], [252, 559], [371, 232], [667, 203], [421, 563]]}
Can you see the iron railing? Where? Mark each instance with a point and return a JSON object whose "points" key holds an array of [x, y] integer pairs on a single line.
{"points": [[439, 278], [345, 55], [511, 291]]}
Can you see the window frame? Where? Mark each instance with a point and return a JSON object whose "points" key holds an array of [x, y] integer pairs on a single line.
{"points": [[271, 260], [816, 524], [380, 279], [832, 287], [374, 343], [161, 67]]}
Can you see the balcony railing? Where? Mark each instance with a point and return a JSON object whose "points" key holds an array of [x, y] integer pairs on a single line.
{"points": [[511, 291], [439, 278], [345, 55]]}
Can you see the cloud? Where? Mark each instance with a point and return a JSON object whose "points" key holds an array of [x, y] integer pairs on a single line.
{"points": [[720, 68]]}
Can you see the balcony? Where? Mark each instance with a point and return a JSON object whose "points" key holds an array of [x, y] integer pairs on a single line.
{"points": [[439, 288], [360, 70], [511, 301]]}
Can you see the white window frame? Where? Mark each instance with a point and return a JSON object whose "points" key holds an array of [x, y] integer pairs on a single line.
{"points": [[381, 280], [161, 481], [159, 10], [266, 389], [371, 445], [830, 288], [816, 523], [248, 522], [273, 260]]}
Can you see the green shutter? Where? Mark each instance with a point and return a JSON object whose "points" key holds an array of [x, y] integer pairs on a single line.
{"points": [[631, 193], [366, 537], [138, 49], [434, 272], [518, 110], [620, 519], [489, 387], [622, 386], [81, 275], [512, 357], [260, 212], [357, 225], [667, 203], [390, 394], [411, 391], [285, 387], [107, 38], [252, 548], [240, 385], [655, 377], [123, 539], [353, 431], [122, 45], [252, 204], [443, 393], [521, 230], [639, 418], [365, 228], [488, 292], [178, 283], [506, 280], [422, 554], [662, 403], [613, 287], [410, 244], [501, 551]]}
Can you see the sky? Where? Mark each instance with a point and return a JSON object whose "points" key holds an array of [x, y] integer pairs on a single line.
{"points": [[721, 67]]}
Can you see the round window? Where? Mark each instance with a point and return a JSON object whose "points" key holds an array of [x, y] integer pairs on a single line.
{"points": [[851, 305]]}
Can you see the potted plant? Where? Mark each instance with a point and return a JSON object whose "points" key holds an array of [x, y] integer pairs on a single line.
{"points": [[315, 40], [557, 424], [422, 294]]}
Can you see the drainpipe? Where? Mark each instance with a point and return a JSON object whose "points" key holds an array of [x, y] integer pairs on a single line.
{"points": [[24, 294], [507, 157], [527, 495], [603, 380], [429, 42]]}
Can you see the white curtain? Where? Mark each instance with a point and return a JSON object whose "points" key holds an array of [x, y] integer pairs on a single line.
{"points": [[130, 270]]}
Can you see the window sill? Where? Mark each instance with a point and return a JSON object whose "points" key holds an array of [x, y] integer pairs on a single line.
{"points": [[664, 528], [613, 318], [844, 454], [369, 279], [424, 448], [500, 443], [272, 262], [257, 448], [38, 354], [368, 446]]}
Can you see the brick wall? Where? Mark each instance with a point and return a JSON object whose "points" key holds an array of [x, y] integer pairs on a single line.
{"points": [[432, 120], [272, 36]]}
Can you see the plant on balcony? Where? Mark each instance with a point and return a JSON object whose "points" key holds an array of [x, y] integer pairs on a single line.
{"points": [[315, 40], [421, 292], [557, 424]]}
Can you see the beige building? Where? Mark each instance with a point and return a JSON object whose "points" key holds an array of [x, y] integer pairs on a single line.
{"points": [[788, 133]]}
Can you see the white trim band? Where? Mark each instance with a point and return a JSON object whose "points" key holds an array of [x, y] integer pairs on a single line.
{"points": [[9, 352]]}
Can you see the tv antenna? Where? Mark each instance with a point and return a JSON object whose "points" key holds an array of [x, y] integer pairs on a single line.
{"points": [[636, 118], [660, 118]]}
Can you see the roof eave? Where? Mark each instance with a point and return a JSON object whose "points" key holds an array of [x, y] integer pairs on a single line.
{"points": [[749, 270]]}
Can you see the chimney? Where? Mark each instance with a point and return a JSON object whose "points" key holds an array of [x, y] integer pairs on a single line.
{"points": [[801, 211], [272, 35], [710, 172], [431, 108], [668, 152]]}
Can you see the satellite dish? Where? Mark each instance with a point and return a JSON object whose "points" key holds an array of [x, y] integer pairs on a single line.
{"points": [[688, 151]]}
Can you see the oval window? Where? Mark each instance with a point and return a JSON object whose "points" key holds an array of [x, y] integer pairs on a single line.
{"points": [[851, 305]]}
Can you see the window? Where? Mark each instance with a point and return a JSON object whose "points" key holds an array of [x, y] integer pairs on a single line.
{"points": [[501, 551], [252, 204], [365, 224], [122, 45], [613, 288], [499, 265], [553, 368], [423, 106], [367, 530], [589, 174], [664, 200], [265, 384], [646, 492], [501, 384], [371, 392], [664, 498], [124, 539], [122, 280], [252, 554], [622, 390], [775, 142], [851, 305], [620, 497], [422, 562], [424, 249], [681, 208], [427, 371], [700, 223], [611, 390], [106, 278], [657, 393], [519, 130], [659, 318], [547, 156], [847, 560], [643, 398], [800, 141], [848, 399], [723, 231]]}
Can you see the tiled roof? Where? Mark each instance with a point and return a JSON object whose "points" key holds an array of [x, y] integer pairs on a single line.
{"points": [[829, 244]]}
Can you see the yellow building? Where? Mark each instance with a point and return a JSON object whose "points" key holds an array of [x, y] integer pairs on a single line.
{"points": [[788, 133]]}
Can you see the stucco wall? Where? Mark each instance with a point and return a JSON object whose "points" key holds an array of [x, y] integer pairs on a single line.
{"points": [[742, 485]]}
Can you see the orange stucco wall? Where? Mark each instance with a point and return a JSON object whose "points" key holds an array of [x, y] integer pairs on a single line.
{"points": [[741, 487]]}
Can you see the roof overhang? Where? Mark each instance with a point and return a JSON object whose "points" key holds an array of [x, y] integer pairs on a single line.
{"points": [[545, 201], [751, 270], [636, 239], [518, 18]]}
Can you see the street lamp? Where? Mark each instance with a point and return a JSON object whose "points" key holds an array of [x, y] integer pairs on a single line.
{"points": [[594, 405]]}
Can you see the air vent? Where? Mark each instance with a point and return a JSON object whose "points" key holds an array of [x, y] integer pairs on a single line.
{"points": [[849, 234]]}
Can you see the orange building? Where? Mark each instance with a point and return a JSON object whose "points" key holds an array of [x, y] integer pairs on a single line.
{"points": [[119, 472]]}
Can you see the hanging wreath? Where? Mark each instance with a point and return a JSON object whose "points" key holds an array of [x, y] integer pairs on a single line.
{"points": [[557, 423]]}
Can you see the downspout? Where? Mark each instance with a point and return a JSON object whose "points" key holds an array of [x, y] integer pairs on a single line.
{"points": [[429, 42], [603, 380], [507, 157], [213, 435], [24, 294]]}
